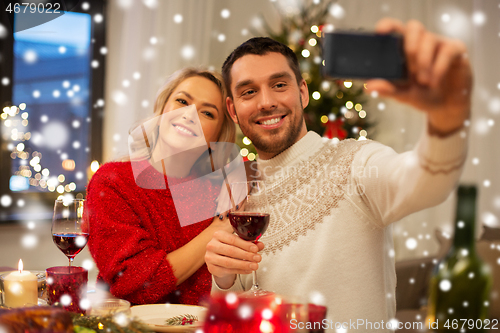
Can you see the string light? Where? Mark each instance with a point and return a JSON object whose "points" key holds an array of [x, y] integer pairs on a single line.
{"points": [[244, 152], [305, 53], [314, 29], [349, 105], [246, 141], [313, 41], [362, 114], [316, 95], [348, 84], [358, 107], [324, 119], [251, 156]]}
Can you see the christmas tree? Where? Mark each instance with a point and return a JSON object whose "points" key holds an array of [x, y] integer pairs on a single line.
{"points": [[335, 107]]}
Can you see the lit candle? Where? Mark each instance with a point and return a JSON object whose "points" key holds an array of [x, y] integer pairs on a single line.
{"points": [[21, 288]]}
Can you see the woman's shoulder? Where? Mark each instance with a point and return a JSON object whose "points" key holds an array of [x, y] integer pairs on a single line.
{"points": [[112, 172]]}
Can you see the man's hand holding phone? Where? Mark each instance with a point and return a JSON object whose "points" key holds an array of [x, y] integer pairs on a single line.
{"points": [[439, 76]]}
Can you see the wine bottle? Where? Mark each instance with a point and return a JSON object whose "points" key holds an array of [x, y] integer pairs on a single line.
{"points": [[461, 282]]}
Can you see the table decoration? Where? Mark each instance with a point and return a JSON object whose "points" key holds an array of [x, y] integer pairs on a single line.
{"points": [[67, 286], [56, 319], [155, 316], [233, 312], [19, 288]]}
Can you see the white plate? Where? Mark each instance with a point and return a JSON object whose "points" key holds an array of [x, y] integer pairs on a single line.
{"points": [[155, 315]]}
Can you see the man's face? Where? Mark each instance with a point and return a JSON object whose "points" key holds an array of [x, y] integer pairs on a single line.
{"points": [[267, 103]]}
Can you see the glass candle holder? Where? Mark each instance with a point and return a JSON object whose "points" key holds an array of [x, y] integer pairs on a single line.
{"points": [[67, 285], [109, 306]]}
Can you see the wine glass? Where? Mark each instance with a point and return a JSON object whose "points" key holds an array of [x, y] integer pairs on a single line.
{"points": [[249, 217], [69, 229]]}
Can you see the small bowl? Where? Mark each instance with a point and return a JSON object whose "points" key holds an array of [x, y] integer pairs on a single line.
{"points": [[110, 306]]}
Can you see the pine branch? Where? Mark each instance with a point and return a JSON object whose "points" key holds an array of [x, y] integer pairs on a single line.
{"points": [[186, 319]]}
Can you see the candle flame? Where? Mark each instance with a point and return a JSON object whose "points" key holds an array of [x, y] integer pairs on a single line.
{"points": [[20, 266]]}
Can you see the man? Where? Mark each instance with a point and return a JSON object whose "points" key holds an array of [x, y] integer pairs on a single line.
{"points": [[332, 204]]}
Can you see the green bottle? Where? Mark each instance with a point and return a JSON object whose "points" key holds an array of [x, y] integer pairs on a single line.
{"points": [[461, 282]]}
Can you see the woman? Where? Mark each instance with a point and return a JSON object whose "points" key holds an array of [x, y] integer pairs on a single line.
{"points": [[136, 238]]}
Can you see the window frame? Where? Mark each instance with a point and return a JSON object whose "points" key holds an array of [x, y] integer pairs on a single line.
{"points": [[95, 135]]}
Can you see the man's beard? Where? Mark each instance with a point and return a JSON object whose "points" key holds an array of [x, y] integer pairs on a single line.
{"points": [[271, 144]]}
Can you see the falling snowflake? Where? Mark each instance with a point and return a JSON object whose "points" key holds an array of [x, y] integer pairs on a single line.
{"points": [[178, 18], [116, 137], [411, 243], [30, 56], [88, 264], [337, 11], [5, 81], [445, 285], [65, 300], [231, 298], [481, 126], [104, 50], [445, 17], [98, 18], [490, 219], [126, 83], [29, 241], [85, 6], [381, 106], [244, 311], [187, 52], [151, 4], [478, 18], [244, 32], [494, 105], [3, 31], [486, 183], [5, 200], [62, 49], [94, 64], [221, 37], [136, 76], [153, 40], [225, 13], [119, 97], [145, 103]]}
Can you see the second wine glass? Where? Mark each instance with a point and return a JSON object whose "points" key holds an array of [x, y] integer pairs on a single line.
{"points": [[249, 217], [69, 228]]}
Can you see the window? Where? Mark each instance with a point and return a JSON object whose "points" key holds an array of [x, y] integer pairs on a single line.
{"points": [[51, 116]]}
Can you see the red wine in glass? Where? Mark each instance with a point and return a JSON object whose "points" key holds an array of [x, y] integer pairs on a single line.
{"points": [[249, 226], [69, 228], [249, 217], [70, 243]]}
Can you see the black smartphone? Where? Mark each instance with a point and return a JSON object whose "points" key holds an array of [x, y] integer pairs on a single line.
{"points": [[364, 56]]}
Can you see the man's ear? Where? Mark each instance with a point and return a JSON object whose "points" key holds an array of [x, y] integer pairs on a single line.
{"points": [[231, 110], [304, 93]]}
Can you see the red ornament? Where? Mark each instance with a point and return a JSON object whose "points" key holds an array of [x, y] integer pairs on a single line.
{"points": [[335, 129]]}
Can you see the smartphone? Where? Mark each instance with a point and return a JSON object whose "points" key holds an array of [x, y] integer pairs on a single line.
{"points": [[364, 56]]}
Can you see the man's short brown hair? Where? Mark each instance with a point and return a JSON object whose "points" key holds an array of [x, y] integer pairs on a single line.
{"points": [[259, 46]]}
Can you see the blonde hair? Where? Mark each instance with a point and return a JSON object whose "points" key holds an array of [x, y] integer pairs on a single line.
{"points": [[149, 128]]}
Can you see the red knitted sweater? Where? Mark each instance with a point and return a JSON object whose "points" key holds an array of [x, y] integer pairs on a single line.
{"points": [[131, 231]]}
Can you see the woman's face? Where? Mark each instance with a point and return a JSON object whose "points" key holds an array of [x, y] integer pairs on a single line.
{"points": [[193, 114]]}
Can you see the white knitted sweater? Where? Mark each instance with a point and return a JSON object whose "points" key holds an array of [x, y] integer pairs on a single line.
{"points": [[332, 203]]}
